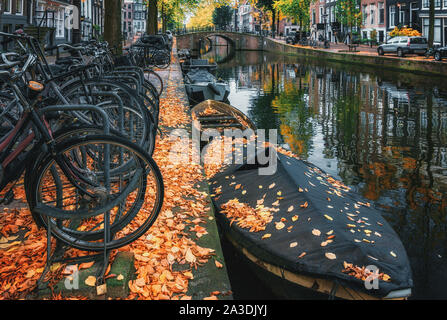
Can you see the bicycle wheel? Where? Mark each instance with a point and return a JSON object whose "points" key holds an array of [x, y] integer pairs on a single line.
{"points": [[161, 59], [155, 79], [127, 111], [102, 178]]}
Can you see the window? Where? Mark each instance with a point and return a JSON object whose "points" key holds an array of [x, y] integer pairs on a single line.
{"points": [[19, 7], [372, 14], [129, 15], [313, 16], [59, 16], [437, 3], [364, 14], [381, 13], [392, 16], [6, 6], [437, 29], [425, 4], [320, 18], [445, 5], [401, 16]]}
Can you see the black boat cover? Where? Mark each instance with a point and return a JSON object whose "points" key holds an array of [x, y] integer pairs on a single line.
{"points": [[322, 208]]}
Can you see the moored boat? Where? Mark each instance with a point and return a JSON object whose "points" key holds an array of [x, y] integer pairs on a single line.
{"points": [[308, 230], [201, 85]]}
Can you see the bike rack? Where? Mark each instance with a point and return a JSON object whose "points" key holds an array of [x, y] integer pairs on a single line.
{"points": [[60, 248]]}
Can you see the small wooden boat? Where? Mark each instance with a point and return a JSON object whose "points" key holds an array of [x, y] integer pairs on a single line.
{"points": [[220, 116], [211, 114], [201, 85]]}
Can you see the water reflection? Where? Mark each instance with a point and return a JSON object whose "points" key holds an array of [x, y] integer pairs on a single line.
{"points": [[383, 133]]}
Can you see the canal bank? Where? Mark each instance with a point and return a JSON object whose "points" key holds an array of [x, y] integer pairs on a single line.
{"points": [[385, 62]]}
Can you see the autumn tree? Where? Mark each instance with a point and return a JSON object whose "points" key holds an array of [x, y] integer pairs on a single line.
{"points": [[202, 15], [349, 14], [112, 21], [295, 9], [268, 6], [222, 16]]}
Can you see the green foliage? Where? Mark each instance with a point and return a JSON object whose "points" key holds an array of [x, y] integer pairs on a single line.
{"points": [[348, 13], [222, 16], [295, 9]]}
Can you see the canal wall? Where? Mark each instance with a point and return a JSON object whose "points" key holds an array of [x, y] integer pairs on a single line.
{"points": [[250, 42], [392, 63]]}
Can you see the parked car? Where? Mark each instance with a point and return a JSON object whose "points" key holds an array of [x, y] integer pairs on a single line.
{"points": [[440, 52], [292, 37], [404, 45]]}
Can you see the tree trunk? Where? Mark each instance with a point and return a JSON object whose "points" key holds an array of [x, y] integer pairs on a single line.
{"points": [[277, 23], [273, 22], [112, 20], [431, 30], [152, 17], [77, 31], [163, 17]]}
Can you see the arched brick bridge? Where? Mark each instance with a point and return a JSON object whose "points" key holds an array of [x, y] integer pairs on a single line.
{"points": [[240, 41]]}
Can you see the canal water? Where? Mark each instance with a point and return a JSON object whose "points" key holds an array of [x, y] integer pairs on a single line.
{"points": [[383, 133]]}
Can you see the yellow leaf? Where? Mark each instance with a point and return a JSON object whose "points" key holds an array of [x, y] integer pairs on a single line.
{"points": [[279, 225], [265, 236], [189, 256], [330, 256], [90, 281]]}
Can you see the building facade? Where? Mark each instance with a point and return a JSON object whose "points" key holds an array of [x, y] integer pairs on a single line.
{"points": [[403, 13], [47, 19], [52, 15], [317, 14], [14, 14], [127, 19], [374, 20], [440, 29], [139, 17]]}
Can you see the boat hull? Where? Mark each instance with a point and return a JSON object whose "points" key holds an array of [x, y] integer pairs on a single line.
{"points": [[291, 285]]}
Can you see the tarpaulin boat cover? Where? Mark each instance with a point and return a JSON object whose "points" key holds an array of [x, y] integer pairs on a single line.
{"points": [[361, 235]]}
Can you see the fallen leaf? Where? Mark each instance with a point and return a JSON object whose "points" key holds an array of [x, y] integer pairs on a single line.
{"points": [[330, 256], [279, 225], [90, 281]]}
